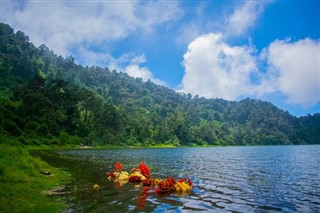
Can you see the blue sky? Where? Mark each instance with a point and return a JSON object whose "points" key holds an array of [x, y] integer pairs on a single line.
{"points": [[226, 49]]}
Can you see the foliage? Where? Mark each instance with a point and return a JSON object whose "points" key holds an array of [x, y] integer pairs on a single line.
{"points": [[48, 99]]}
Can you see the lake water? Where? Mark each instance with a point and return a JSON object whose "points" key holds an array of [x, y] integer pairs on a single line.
{"points": [[226, 179]]}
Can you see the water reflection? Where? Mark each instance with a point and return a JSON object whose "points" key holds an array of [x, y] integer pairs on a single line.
{"points": [[226, 179]]}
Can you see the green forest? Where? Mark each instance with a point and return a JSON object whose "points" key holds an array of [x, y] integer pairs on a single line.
{"points": [[46, 99]]}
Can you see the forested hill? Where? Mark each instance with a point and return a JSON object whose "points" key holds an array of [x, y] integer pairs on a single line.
{"points": [[48, 99]]}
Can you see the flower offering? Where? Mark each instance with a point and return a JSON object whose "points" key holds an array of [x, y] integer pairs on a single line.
{"points": [[142, 176]]}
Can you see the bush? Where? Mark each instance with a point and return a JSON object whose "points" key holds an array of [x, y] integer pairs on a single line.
{"points": [[12, 128]]}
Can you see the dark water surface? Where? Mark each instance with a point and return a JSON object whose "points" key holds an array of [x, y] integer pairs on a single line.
{"points": [[226, 179]]}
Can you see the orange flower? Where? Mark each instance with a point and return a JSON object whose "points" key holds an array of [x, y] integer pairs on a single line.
{"points": [[166, 186], [118, 166], [144, 170]]}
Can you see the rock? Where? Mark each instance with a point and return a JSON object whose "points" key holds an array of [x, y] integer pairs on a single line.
{"points": [[45, 173]]}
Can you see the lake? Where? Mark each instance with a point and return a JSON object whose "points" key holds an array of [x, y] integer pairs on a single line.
{"points": [[226, 179]]}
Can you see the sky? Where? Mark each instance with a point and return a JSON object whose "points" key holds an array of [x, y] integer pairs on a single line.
{"points": [[268, 50]]}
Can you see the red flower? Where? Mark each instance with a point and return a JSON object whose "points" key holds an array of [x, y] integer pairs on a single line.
{"points": [[110, 174], [134, 179], [118, 166], [144, 170], [166, 186], [147, 182]]}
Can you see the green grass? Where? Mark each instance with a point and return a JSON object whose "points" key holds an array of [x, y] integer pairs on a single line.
{"points": [[22, 185]]}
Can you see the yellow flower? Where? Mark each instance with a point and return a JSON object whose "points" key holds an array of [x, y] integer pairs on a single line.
{"points": [[96, 187], [123, 176], [182, 187], [136, 173], [157, 181], [122, 182], [116, 174]]}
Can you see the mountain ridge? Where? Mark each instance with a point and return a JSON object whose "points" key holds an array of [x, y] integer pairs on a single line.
{"points": [[48, 99]]}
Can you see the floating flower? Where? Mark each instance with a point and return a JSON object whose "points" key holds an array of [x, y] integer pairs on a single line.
{"points": [[110, 175], [96, 187], [141, 176], [182, 187], [166, 186], [118, 175], [136, 177], [118, 166], [123, 176], [151, 182], [144, 170]]}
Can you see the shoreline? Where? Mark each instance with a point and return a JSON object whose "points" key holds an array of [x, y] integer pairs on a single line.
{"points": [[26, 168], [24, 179]]}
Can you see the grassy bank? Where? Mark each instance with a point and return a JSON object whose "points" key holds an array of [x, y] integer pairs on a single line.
{"points": [[22, 185]]}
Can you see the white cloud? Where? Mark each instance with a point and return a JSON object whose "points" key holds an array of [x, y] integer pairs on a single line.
{"points": [[188, 33], [151, 13], [89, 30], [213, 68], [216, 69], [131, 64], [128, 63], [61, 25], [296, 65], [244, 18], [136, 71], [90, 58]]}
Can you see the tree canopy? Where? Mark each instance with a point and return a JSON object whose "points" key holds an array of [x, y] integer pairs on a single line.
{"points": [[48, 99]]}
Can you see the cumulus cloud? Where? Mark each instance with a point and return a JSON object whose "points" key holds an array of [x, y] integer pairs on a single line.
{"points": [[215, 69], [296, 67], [89, 30], [64, 24]]}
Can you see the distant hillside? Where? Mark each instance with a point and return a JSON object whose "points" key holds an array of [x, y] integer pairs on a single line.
{"points": [[48, 99]]}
